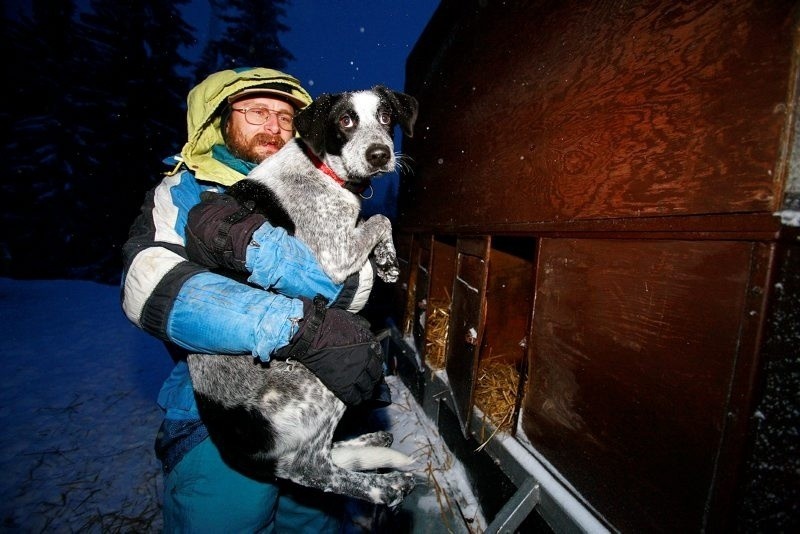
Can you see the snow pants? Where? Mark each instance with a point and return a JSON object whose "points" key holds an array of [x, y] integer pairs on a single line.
{"points": [[202, 494]]}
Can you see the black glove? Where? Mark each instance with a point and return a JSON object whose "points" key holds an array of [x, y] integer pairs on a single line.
{"points": [[218, 231], [220, 228], [339, 348]]}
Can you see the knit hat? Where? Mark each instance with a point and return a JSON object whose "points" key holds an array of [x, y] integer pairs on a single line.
{"points": [[209, 99], [278, 90]]}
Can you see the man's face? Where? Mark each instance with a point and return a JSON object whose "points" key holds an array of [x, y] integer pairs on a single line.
{"points": [[255, 143]]}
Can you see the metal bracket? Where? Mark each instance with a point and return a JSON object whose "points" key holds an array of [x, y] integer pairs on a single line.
{"points": [[518, 507]]}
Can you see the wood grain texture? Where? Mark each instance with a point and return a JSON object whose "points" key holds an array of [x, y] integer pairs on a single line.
{"points": [[634, 350], [547, 112], [509, 298], [422, 258], [641, 147], [467, 320]]}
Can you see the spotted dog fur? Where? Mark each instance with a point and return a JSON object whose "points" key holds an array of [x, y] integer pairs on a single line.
{"points": [[280, 423], [350, 134], [278, 419]]}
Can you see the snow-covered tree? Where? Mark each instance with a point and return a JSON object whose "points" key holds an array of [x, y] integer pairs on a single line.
{"points": [[96, 100], [249, 38]]}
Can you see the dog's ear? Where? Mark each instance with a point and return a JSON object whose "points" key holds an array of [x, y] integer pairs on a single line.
{"points": [[310, 122], [404, 106]]}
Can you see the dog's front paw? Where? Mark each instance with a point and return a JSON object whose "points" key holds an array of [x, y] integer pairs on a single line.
{"points": [[389, 273], [388, 268]]}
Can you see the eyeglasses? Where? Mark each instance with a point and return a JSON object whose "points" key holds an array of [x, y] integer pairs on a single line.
{"points": [[259, 116]]}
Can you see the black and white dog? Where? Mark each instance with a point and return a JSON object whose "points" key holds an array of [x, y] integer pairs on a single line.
{"points": [[278, 419], [312, 186]]}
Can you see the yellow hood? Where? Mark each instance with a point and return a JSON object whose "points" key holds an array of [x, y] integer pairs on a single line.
{"points": [[204, 104]]}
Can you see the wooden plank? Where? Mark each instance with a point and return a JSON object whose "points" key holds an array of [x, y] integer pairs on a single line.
{"points": [[505, 341], [745, 389], [407, 256], [509, 298], [597, 110], [443, 269], [768, 493], [423, 265], [467, 316], [634, 350], [742, 227]]}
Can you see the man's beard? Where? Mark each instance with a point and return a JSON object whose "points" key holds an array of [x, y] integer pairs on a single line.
{"points": [[256, 150]]}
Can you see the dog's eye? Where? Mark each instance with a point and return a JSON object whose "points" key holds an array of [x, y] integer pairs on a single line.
{"points": [[346, 121], [384, 118]]}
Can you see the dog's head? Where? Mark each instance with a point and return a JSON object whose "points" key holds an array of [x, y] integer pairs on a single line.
{"points": [[352, 132]]}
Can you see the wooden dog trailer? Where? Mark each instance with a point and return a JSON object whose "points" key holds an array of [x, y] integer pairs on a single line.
{"points": [[603, 199]]}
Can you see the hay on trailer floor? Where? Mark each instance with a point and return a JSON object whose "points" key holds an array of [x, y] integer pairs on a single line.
{"points": [[496, 392], [408, 324], [436, 328]]}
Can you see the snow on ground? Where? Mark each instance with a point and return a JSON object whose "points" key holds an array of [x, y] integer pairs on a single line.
{"points": [[77, 411], [443, 496], [78, 419]]}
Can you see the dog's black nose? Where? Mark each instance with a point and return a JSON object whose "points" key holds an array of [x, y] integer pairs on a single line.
{"points": [[378, 155]]}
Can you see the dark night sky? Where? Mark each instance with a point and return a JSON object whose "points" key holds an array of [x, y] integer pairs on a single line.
{"points": [[342, 45]]}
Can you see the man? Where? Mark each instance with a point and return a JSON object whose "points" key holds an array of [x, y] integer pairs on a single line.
{"points": [[253, 303]]}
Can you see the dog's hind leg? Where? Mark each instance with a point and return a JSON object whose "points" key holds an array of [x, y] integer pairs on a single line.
{"points": [[362, 458], [320, 473], [313, 464], [369, 451], [380, 438]]}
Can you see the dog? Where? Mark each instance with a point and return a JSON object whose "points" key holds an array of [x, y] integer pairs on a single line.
{"points": [[311, 186], [278, 419]]}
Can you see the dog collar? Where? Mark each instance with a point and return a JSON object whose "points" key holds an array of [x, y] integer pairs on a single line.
{"points": [[321, 165]]}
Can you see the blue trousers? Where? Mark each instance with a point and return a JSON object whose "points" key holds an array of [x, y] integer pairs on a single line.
{"points": [[202, 494]]}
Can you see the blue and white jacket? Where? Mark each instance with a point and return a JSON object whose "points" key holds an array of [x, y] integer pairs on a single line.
{"points": [[185, 303]]}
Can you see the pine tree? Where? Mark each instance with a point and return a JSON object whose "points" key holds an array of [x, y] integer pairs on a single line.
{"points": [[250, 37], [97, 105], [44, 148], [137, 112]]}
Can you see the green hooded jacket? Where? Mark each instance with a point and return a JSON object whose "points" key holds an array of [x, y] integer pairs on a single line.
{"points": [[204, 105]]}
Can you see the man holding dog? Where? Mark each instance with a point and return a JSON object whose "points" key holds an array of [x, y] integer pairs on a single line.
{"points": [[207, 275]]}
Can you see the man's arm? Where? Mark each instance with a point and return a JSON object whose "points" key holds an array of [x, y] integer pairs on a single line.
{"points": [[178, 300], [222, 233], [181, 301]]}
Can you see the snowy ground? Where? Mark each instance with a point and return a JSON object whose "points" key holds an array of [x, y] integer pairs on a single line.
{"points": [[77, 411], [78, 419]]}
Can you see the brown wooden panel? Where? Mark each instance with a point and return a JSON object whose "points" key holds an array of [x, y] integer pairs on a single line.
{"points": [[400, 303], [633, 353], [440, 296], [407, 256], [443, 269], [582, 110], [742, 227], [504, 344], [422, 253], [744, 390], [467, 316], [509, 296]]}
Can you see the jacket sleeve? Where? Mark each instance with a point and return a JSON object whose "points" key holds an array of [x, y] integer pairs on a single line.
{"points": [[222, 233], [181, 301]]}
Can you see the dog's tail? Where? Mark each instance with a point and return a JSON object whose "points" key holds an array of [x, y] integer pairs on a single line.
{"points": [[365, 458]]}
